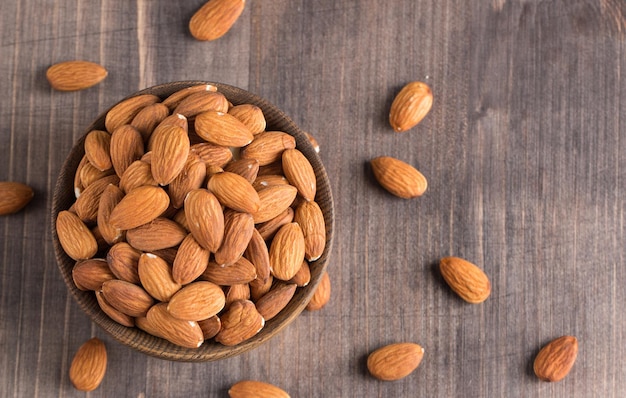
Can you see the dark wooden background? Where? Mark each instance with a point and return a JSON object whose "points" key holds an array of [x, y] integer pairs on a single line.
{"points": [[524, 151]]}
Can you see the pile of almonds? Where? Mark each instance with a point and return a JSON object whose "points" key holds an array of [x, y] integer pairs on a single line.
{"points": [[191, 221]]}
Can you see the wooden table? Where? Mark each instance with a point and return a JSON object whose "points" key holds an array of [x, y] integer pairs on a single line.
{"points": [[524, 151]]}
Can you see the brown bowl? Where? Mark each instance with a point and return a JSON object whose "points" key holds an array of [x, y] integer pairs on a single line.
{"points": [[210, 350]]}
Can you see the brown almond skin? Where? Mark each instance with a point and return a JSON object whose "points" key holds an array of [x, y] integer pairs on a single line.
{"points": [[212, 154], [247, 168], [176, 98], [127, 298], [148, 118], [311, 219], [398, 177], [14, 196], [76, 239], [269, 228], [322, 294], [241, 322], [275, 300], [87, 204], [156, 277], [300, 173], [170, 149], [202, 101], [138, 207], [208, 227], [243, 271], [258, 254], [555, 360], [256, 389], [394, 361], [97, 149], [191, 177], [215, 18], [190, 262], [210, 327], [274, 201], [220, 128], [465, 279], [91, 274], [162, 324], [117, 316], [88, 173], [287, 251], [235, 192], [238, 230], [125, 111], [410, 106], [250, 115], [110, 197], [197, 301], [75, 75], [268, 146], [126, 147], [137, 174], [158, 234], [123, 260], [89, 365]]}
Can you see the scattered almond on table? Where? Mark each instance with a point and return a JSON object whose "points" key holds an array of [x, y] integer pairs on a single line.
{"points": [[399, 178], [89, 365], [555, 360], [410, 106], [255, 389], [75, 75], [215, 18], [394, 361], [14, 196], [465, 279]]}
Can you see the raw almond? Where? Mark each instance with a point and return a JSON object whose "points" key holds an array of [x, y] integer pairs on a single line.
{"points": [[259, 288], [97, 149], [123, 260], [89, 365], [268, 147], [241, 322], [269, 180], [139, 206], [202, 101], [210, 327], [398, 177], [170, 149], [205, 210], [191, 177], [465, 279], [110, 197], [159, 233], [76, 239], [183, 333], [14, 196], [75, 75], [91, 274], [190, 262], [275, 300], [394, 361], [247, 168], [555, 360], [322, 294], [303, 277], [126, 147], [220, 128], [211, 154], [176, 98], [86, 206], [137, 174], [127, 298], [236, 292], [410, 106], [274, 201], [243, 271], [258, 254], [89, 174], [117, 316], [300, 173], [238, 229], [256, 389], [197, 301], [215, 18], [235, 192], [269, 228], [287, 251], [125, 111], [311, 219], [148, 118], [250, 115], [156, 277]]}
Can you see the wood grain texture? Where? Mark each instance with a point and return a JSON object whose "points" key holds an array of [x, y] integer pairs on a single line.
{"points": [[524, 152]]}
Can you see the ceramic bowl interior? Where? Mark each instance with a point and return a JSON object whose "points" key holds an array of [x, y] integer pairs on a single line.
{"points": [[210, 350]]}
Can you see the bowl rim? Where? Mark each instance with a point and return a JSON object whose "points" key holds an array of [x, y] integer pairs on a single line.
{"points": [[151, 345]]}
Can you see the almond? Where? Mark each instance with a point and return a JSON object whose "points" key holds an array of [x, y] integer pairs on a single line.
{"points": [[210, 327], [211, 154], [197, 301], [205, 210], [215, 18], [410, 106], [156, 277], [241, 322], [183, 333], [555, 360], [176, 98], [322, 294], [220, 128], [125, 111], [275, 300], [269, 228], [191, 177], [148, 118], [202, 101], [190, 262], [287, 251], [300, 173], [313, 141], [465, 279], [138, 207], [170, 149], [268, 147], [137, 174], [311, 219], [258, 254], [159, 233], [274, 201], [75, 75], [97, 149], [90, 274], [250, 115], [89, 174], [89, 365], [269, 180], [117, 316], [398, 177], [302, 278], [76, 239], [273, 168], [123, 260], [236, 292], [238, 229], [127, 298], [126, 147], [259, 288], [14, 196], [235, 192], [394, 361], [110, 197], [86, 206], [247, 168], [243, 271], [256, 389]]}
